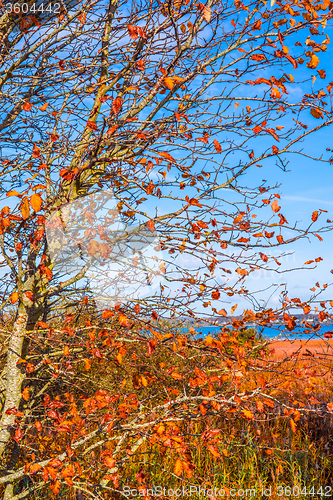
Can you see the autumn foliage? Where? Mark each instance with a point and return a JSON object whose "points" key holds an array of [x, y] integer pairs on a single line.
{"points": [[168, 106]]}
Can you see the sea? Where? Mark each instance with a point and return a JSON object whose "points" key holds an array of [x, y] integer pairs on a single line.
{"points": [[276, 332]]}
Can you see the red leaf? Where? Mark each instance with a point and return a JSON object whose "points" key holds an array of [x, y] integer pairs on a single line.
{"points": [[151, 226], [109, 462], [107, 314], [116, 105], [263, 257], [314, 216], [154, 315], [141, 65], [27, 106], [36, 151], [167, 156], [133, 31], [18, 435], [217, 146], [53, 414], [151, 346], [275, 149], [123, 320], [258, 57], [14, 411], [38, 426], [91, 125]]}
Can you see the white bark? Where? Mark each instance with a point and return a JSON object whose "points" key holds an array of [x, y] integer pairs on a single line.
{"points": [[14, 378]]}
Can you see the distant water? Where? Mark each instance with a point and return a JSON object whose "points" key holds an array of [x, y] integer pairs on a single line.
{"points": [[274, 331]]}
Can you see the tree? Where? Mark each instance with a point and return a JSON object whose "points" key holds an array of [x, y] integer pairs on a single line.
{"points": [[167, 106]]}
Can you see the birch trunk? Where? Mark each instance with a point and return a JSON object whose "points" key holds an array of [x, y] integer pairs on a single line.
{"points": [[14, 378]]}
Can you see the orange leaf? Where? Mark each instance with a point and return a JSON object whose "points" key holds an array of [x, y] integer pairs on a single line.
{"points": [[275, 206], [207, 14], [14, 297], [109, 462], [314, 62], [91, 125], [217, 146], [214, 451], [133, 31], [43, 108], [107, 314], [18, 435], [87, 364], [167, 156], [216, 294], [316, 113], [223, 312], [275, 93], [293, 425], [178, 467], [25, 209], [258, 57], [38, 426], [36, 202], [151, 226], [314, 216], [280, 238], [203, 409], [117, 104], [260, 406], [123, 320], [248, 414], [263, 257], [27, 106], [36, 151], [233, 309], [168, 81], [25, 394], [330, 406]]}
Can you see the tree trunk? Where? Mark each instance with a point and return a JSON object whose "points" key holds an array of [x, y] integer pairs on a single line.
{"points": [[14, 378]]}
